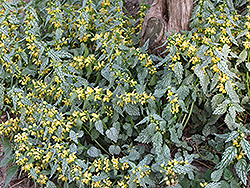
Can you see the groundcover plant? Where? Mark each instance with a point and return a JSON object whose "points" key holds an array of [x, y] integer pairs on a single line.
{"points": [[88, 107]]}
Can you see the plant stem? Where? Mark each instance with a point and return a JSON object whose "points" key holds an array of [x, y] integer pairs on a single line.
{"points": [[96, 141], [202, 155], [131, 121], [189, 115]]}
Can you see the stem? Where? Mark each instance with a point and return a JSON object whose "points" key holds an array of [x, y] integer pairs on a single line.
{"points": [[202, 155], [131, 121], [248, 89], [96, 141], [189, 115]]}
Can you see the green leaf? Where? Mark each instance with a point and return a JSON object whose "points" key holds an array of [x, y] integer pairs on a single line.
{"points": [[216, 175], [228, 156], [50, 184], [10, 174], [231, 92], [221, 109], [246, 147], [99, 126], [178, 71], [112, 134], [240, 168], [73, 136], [93, 152]]}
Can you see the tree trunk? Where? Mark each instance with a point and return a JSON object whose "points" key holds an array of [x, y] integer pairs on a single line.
{"points": [[163, 16]]}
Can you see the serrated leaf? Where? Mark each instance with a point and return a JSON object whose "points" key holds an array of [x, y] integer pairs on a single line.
{"points": [[242, 57], [50, 184], [213, 185], [158, 93], [231, 37], [178, 71], [221, 109], [114, 150], [223, 67], [1, 96], [132, 109], [231, 92], [10, 174], [59, 73], [112, 134], [216, 175], [240, 168], [93, 152], [73, 136], [228, 156], [230, 122], [146, 135], [246, 147], [157, 139], [248, 66], [99, 126], [214, 82], [174, 136], [204, 78], [232, 135], [133, 155]]}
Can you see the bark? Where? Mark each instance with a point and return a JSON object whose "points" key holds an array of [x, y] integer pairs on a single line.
{"points": [[163, 16]]}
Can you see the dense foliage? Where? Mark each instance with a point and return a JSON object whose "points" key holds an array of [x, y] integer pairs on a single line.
{"points": [[88, 107]]}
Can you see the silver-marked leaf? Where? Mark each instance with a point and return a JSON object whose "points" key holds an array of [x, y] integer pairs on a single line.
{"points": [[233, 135], [112, 134], [231, 92], [222, 65], [246, 147], [178, 71], [248, 66], [93, 152], [114, 150], [50, 184], [230, 122], [204, 78], [157, 139], [73, 136], [231, 37], [216, 175], [221, 109], [213, 185], [242, 57], [228, 156], [158, 93], [1, 95], [217, 99], [240, 168], [132, 109], [99, 126]]}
